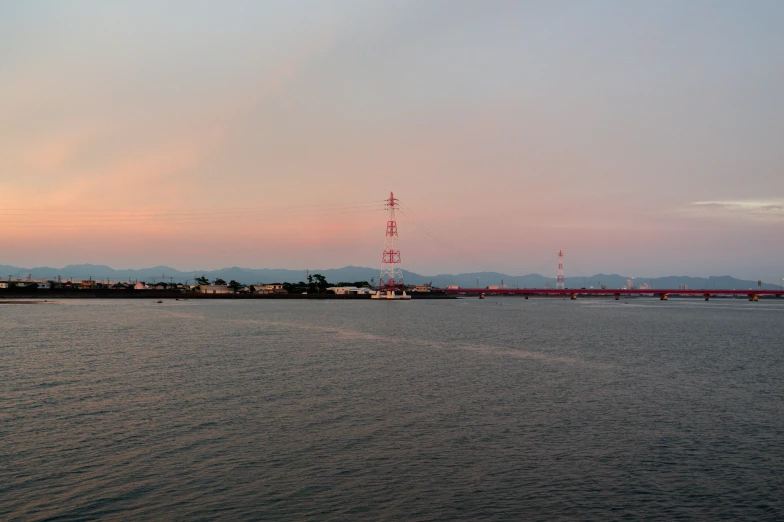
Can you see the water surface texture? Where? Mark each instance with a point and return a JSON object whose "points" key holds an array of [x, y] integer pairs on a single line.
{"points": [[421, 410]]}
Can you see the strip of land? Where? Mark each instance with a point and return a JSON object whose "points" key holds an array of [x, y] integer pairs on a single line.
{"points": [[25, 302]]}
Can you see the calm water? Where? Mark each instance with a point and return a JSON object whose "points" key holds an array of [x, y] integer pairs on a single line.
{"points": [[469, 409]]}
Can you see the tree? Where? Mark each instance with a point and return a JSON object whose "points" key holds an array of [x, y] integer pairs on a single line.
{"points": [[358, 284], [219, 281], [317, 283], [321, 281], [234, 285], [252, 289], [202, 280], [295, 288]]}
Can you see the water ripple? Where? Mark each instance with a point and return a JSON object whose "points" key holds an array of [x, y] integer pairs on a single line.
{"points": [[425, 411]]}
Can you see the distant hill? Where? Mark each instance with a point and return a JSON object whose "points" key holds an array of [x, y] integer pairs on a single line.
{"points": [[358, 273]]}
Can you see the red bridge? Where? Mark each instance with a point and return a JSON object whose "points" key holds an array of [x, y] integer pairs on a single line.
{"points": [[572, 293]]}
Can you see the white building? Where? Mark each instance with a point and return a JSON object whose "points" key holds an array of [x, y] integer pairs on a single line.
{"points": [[343, 290]]}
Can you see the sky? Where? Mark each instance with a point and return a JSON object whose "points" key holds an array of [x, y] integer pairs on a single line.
{"points": [[644, 138]]}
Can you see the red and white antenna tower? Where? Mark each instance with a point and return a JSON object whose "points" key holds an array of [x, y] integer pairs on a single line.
{"points": [[391, 276], [559, 281]]}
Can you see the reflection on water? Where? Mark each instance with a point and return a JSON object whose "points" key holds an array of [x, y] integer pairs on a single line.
{"points": [[493, 409]]}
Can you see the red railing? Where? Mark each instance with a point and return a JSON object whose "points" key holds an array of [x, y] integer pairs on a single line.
{"points": [[610, 291]]}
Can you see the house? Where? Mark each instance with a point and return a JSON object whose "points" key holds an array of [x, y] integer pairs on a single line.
{"points": [[273, 288], [140, 286], [22, 284], [214, 289]]}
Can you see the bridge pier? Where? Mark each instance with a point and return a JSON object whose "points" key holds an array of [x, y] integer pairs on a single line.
{"points": [[753, 297], [526, 296], [574, 296], [617, 297], [664, 297], [707, 297]]}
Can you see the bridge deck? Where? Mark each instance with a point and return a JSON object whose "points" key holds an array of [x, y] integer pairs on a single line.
{"points": [[611, 291]]}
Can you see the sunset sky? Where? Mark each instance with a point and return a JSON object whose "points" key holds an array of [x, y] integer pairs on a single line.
{"points": [[641, 137]]}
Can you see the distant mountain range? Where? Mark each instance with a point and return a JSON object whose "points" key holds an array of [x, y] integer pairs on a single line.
{"points": [[357, 273]]}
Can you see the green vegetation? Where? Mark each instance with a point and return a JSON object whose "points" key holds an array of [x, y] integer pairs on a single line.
{"points": [[295, 288], [358, 284], [318, 284]]}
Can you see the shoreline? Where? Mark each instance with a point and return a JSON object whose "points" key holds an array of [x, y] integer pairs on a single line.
{"points": [[7, 302], [45, 294]]}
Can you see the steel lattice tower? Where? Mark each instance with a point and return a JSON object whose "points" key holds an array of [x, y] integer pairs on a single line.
{"points": [[559, 281], [391, 271]]}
